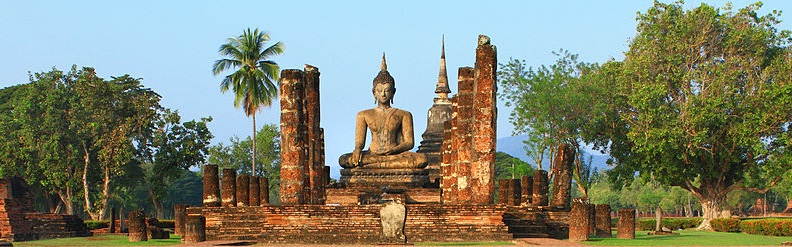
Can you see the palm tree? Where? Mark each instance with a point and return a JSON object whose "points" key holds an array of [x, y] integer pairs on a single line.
{"points": [[253, 82]]}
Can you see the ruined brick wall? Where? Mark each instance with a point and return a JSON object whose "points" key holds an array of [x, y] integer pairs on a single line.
{"points": [[18, 222], [458, 154], [351, 224], [302, 139], [294, 139], [315, 136], [562, 177], [485, 121], [468, 166]]}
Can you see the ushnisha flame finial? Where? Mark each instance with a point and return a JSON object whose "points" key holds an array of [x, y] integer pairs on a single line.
{"points": [[384, 66], [383, 76]]}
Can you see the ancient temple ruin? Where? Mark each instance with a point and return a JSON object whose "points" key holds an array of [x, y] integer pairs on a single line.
{"points": [[443, 192]]}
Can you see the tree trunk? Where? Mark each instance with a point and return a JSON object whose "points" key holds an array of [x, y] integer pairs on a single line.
{"points": [[66, 199], [253, 142], [712, 209], [86, 161], [158, 209], [659, 219], [105, 194]]}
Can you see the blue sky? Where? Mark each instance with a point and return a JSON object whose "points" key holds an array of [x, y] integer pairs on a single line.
{"points": [[172, 45]]}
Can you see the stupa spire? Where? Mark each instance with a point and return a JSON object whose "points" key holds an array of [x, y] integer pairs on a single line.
{"points": [[442, 89]]}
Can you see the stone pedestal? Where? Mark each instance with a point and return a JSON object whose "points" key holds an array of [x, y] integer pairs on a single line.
{"points": [[395, 178], [137, 226], [603, 221], [180, 216], [195, 229], [211, 186], [229, 188], [626, 227], [540, 189], [579, 221]]}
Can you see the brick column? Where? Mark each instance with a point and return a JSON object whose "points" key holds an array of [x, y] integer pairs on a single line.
{"points": [[293, 139], [211, 186], [137, 226], [195, 229], [603, 221], [503, 191], [254, 192], [527, 190], [579, 221], [447, 171], [540, 190], [179, 217], [626, 226], [562, 179], [462, 138], [515, 192], [484, 126], [313, 117], [243, 190], [264, 191], [229, 188]]}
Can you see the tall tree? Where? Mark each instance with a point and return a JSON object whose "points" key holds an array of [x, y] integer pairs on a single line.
{"points": [[253, 82], [170, 147], [551, 105], [703, 98]]}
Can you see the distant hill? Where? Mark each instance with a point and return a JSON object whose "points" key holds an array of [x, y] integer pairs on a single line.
{"points": [[513, 145]]}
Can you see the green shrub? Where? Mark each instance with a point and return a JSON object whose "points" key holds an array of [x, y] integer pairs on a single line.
{"points": [[671, 223], [97, 224], [771, 227], [725, 225]]}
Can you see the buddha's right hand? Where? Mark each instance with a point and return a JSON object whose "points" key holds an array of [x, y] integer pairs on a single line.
{"points": [[356, 157]]}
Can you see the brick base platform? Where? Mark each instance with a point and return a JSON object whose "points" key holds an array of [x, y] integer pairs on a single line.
{"points": [[370, 195], [358, 224]]}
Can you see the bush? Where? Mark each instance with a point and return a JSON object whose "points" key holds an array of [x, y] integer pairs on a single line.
{"points": [[671, 223], [725, 225], [771, 227], [97, 224]]}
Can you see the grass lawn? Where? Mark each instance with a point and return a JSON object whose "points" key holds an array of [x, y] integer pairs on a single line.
{"points": [[690, 238], [463, 243], [102, 240]]}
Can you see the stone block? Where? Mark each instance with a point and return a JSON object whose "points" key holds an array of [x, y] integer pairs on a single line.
{"points": [[195, 229], [243, 190], [579, 221], [540, 188], [137, 226], [180, 216], [603, 221], [626, 225]]}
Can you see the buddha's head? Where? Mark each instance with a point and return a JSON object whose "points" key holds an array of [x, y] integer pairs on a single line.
{"points": [[384, 87]]}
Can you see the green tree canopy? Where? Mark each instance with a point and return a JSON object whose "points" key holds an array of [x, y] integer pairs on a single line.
{"points": [[703, 99]]}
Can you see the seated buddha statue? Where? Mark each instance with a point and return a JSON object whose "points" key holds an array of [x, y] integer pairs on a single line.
{"points": [[391, 132]]}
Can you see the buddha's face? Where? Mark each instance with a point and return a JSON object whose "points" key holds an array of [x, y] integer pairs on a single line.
{"points": [[383, 92]]}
